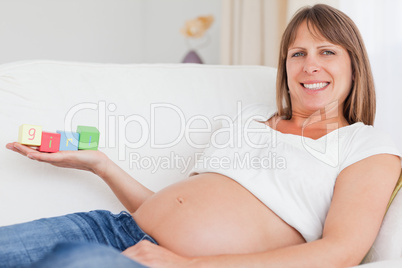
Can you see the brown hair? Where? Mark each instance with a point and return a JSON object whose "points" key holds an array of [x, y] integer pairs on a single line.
{"points": [[339, 29]]}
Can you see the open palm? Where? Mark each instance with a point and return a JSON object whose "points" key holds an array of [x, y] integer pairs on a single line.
{"points": [[90, 160]]}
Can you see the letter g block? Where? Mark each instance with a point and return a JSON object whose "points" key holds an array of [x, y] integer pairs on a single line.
{"points": [[30, 135]]}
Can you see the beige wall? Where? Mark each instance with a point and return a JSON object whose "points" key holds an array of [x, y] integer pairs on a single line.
{"points": [[118, 31]]}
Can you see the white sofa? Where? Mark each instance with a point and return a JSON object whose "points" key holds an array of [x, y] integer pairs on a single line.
{"points": [[153, 119]]}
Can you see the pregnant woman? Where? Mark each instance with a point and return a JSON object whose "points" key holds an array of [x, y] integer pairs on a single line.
{"points": [[321, 210]]}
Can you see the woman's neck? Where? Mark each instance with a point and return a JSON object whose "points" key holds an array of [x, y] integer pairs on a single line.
{"points": [[321, 119], [330, 116]]}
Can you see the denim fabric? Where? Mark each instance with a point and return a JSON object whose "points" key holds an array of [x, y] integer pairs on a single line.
{"points": [[23, 244], [85, 255]]}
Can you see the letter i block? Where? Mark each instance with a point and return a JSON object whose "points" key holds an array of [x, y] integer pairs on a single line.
{"points": [[89, 138], [30, 135], [50, 142], [68, 140]]}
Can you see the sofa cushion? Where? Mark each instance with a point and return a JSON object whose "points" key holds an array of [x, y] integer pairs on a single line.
{"points": [[388, 242], [147, 115]]}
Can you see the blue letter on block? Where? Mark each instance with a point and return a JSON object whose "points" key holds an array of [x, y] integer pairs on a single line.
{"points": [[68, 140]]}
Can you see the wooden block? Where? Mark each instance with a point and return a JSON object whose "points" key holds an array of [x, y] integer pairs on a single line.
{"points": [[68, 140], [50, 142], [89, 138], [30, 135]]}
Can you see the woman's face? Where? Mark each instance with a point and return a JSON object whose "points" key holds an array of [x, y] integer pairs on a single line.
{"points": [[319, 72]]}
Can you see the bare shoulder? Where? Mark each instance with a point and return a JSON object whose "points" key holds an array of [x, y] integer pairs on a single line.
{"points": [[271, 122], [278, 123]]}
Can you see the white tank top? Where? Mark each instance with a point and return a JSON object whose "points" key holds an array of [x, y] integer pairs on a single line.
{"points": [[292, 175]]}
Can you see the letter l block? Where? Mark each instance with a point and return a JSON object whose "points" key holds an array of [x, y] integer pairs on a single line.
{"points": [[89, 138]]}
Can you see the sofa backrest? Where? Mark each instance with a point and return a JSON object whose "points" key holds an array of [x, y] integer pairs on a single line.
{"points": [[152, 120]]}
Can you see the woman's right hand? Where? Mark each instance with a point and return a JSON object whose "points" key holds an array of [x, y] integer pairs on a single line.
{"points": [[94, 161]]}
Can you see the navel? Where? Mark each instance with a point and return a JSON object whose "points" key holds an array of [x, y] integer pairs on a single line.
{"points": [[180, 200]]}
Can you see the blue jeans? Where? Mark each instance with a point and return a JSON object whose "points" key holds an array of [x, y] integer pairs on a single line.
{"points": [[85, 255], [26, 243]]}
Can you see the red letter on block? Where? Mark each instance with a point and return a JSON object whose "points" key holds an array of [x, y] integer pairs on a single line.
{"points": [[50, 142]]}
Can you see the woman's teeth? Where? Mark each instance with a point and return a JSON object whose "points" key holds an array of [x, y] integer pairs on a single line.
{"points": [[315, 85]]}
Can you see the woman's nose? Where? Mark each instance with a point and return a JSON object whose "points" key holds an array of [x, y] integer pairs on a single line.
{"points": [[311, 65]]}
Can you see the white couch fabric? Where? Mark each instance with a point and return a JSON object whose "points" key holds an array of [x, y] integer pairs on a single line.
{"points": [[388, 244], [118, 100], [147, 116]]}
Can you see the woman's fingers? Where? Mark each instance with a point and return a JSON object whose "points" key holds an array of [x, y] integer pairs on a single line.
{"points": [[84, 159], [44, 157], [10, 146], [32, 153], [19, 148]]}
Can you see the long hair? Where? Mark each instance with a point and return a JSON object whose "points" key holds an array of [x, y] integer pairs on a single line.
{"points": [[339, 29]]}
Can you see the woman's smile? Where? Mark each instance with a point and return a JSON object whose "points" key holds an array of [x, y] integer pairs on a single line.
{"points": [[313, 87]]}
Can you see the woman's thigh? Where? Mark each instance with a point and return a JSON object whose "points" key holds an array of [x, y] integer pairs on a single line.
{"points": [[22, 244]]}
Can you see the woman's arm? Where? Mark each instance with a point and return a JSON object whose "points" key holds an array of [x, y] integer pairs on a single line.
{"points": [[361, 194], [129, 191]]}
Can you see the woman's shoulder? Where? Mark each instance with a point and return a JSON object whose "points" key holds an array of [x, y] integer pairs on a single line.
{"points": [[360, 141]]}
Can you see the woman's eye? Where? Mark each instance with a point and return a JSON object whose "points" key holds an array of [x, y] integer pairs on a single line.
{"points": [[328, 52], [298, 54]]}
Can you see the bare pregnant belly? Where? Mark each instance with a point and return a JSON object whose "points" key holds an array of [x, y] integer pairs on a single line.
{"points": [[210, 214]]}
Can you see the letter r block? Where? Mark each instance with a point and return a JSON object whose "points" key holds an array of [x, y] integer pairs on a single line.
{"points": [[68, 140], [50, 142], [30, 135], [89, 138]]}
